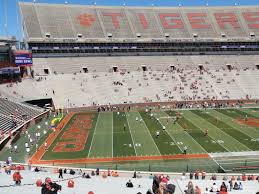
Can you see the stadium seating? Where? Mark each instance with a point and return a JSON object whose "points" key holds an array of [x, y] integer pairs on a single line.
{"points": [[157, 84], [109, 185], [19, 112], [96, 184], [6, 123], [249, 187], [92, 22]]}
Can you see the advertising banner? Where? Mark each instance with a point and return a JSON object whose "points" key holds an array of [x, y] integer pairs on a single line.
{"points": [[23, 58]]}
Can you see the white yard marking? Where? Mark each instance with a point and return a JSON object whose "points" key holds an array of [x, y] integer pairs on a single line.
{"points": [[131, 135], [93, 135], [112, 134], [150, 134]]}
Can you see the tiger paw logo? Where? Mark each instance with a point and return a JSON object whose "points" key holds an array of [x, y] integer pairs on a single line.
{"points": [[86, 19]]}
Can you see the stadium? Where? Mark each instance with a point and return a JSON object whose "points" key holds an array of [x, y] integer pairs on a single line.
{"points": [[152, 94]]}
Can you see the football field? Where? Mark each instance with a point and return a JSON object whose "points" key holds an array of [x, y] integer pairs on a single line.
{"points": [[132, 137]]}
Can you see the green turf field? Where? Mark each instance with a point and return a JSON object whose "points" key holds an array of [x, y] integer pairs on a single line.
{"points": [[125, 134], [134, 133]]}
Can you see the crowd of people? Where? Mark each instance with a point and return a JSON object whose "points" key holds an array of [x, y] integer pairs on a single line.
{"points": [[228, 184], [185, 84], [161, 183]]}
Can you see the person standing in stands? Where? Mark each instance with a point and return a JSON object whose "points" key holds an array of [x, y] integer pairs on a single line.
{"points": [[60, 172], [17, 178], [203, 174]]}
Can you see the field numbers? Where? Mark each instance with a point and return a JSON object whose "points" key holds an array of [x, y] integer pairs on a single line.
{"points": [[180, 143], [218, 141], [171, 143]]}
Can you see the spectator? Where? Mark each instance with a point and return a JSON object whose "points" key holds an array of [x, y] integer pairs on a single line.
{"points": [[17, 178], [240, 186], [203, 174], [170, 189], [213, 177], [243, 177], [134, 175], [72, 172], [8, 170], [236, 186], [129, 184], [191, 175], [104, 175], [155, 185], [197, 190], [60, 172], [36, 169], [196, 174], [183, 177], [223, 187], [206, 191], [214, 188], [230, 185], [49, 187], [190, 189], [149, 191], [97, 171], [87, 176]]}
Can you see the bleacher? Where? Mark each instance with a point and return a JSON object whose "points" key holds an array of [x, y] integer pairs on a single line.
{"points": [[68, 21], [110, 185], [14, 111], [6, 123], [248, 186], [138, 86]]}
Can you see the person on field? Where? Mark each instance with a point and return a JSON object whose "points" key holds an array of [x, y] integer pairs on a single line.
{"points": [[124, 127], [206, 132], [185, 150], [15, 148], [157, 134], [46, 145]]}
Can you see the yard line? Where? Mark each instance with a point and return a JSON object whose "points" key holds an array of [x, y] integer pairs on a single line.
{"points": [[249, 131], [93, 136], [194, 140], [177, 132], [131, 134], [170, 136], [219, 130], [112, 134], [149, 133], [198, 127]]}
